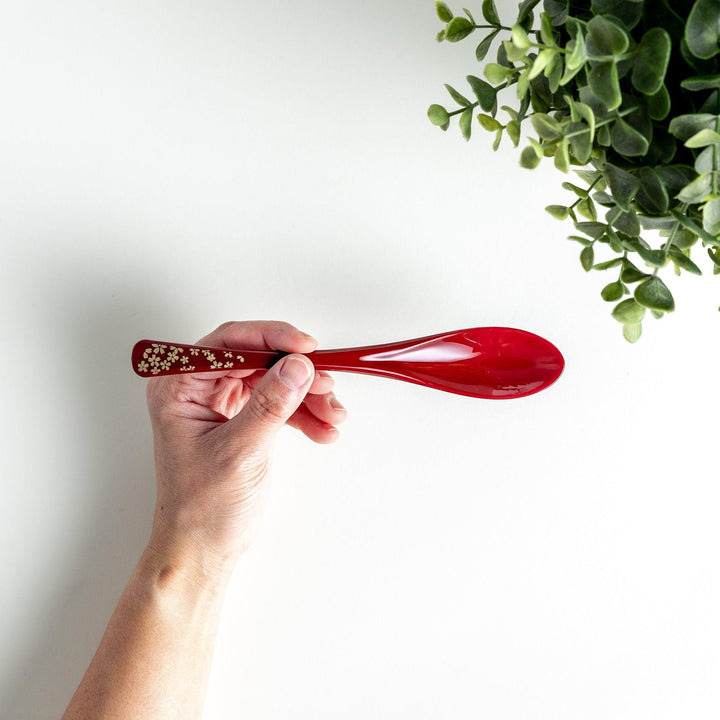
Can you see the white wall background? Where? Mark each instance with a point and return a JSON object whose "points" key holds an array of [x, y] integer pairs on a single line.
{"points": [[166, 166]]}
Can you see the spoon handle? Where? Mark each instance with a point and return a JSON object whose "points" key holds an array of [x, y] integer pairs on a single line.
{"points": [[152, 358]]}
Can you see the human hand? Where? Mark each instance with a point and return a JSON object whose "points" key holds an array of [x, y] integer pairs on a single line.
{"points": [[214, 433]]}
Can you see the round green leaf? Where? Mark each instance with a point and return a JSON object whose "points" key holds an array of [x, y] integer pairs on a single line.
{"points": [[651, 61], [654, 295], [702, 31], [632, 332], [604, 83], [629, 312], [627, 141], [529, 158], [587, 258], [612, 292], [438, 115], [546, 126], [497, 73], [606, 37], [458, 29]]}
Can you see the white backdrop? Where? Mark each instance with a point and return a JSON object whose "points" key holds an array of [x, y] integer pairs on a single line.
{"points": [[166, 166]]}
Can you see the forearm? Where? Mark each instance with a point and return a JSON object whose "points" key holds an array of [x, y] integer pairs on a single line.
{"points": [[154, 659]]}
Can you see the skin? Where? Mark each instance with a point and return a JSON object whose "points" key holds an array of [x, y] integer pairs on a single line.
{"points": [[213, 435]]}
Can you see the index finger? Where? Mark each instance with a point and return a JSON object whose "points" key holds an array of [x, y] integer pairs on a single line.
{"points": [[260, 335]]}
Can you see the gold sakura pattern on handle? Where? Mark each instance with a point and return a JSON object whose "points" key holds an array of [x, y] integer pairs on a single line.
{"points": [[161, 358]]}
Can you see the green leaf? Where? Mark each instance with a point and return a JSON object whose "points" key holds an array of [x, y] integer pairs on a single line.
{"points": [[684, 127], [513, 131], [653, 258], [578, 239], [651, 61], [714, 256], [607, 38], [697, 190], [586, 208], [438, 115], [490, 12], [529, 158], [711, 216], [562, 156], [628, 12], [458, 29], [683, 261], [525, 10], [580, 192], [705, 137], [632, 332], [557, 10], [627, 141], [695, 229], [466, 123], [626, 222], [519, 37], [560, 212], [513, 52], [546, 126], [457, 97], [659, 104], [587, 258], [593, 229], [630, 274], [654, 295], [608, 264], [443, 11], [489, 122], [604, 83], [542, 61], [629, 312], [580, 141], [498, 138], [622, 184], [701, 82], [497, 73], [702, 31], [652, 195], [484, 92], [484, 46]]}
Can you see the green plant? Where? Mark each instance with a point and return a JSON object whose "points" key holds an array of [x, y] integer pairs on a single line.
{"points": [[627, 94]]}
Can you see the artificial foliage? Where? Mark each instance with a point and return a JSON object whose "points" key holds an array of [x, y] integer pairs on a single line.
{"points": [[625, 94]]}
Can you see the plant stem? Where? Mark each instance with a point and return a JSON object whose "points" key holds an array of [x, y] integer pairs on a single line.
{"points": [[495, 27]]}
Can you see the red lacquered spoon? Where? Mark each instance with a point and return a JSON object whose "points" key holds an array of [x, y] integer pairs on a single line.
{"points": [[486, 362]]}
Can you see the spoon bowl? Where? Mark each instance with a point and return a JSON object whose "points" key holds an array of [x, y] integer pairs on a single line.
{"points": [[485, 362]]}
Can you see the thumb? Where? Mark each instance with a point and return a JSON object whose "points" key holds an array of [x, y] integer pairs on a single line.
{"points": [[275, 398]]}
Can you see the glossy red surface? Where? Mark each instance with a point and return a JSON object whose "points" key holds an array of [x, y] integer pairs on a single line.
{"points": [[487, 362]]}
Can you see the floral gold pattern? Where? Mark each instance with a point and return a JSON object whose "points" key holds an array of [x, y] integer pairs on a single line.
{"points": [[158, 358]]}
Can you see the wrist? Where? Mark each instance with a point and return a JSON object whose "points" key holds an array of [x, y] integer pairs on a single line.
{"points": [[178, 561]]}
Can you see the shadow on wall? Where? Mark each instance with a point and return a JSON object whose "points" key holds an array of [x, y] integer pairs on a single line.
{"points": [[115, 486]]}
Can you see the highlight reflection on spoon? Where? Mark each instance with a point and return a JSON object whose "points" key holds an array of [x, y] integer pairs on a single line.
{"points": [[486, 362]]}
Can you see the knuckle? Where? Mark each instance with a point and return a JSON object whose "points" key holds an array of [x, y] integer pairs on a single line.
{"points": [[268, 407]]}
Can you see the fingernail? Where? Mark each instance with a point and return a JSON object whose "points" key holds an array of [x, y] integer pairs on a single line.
{"points": [[295, 372], [336, 403]]}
